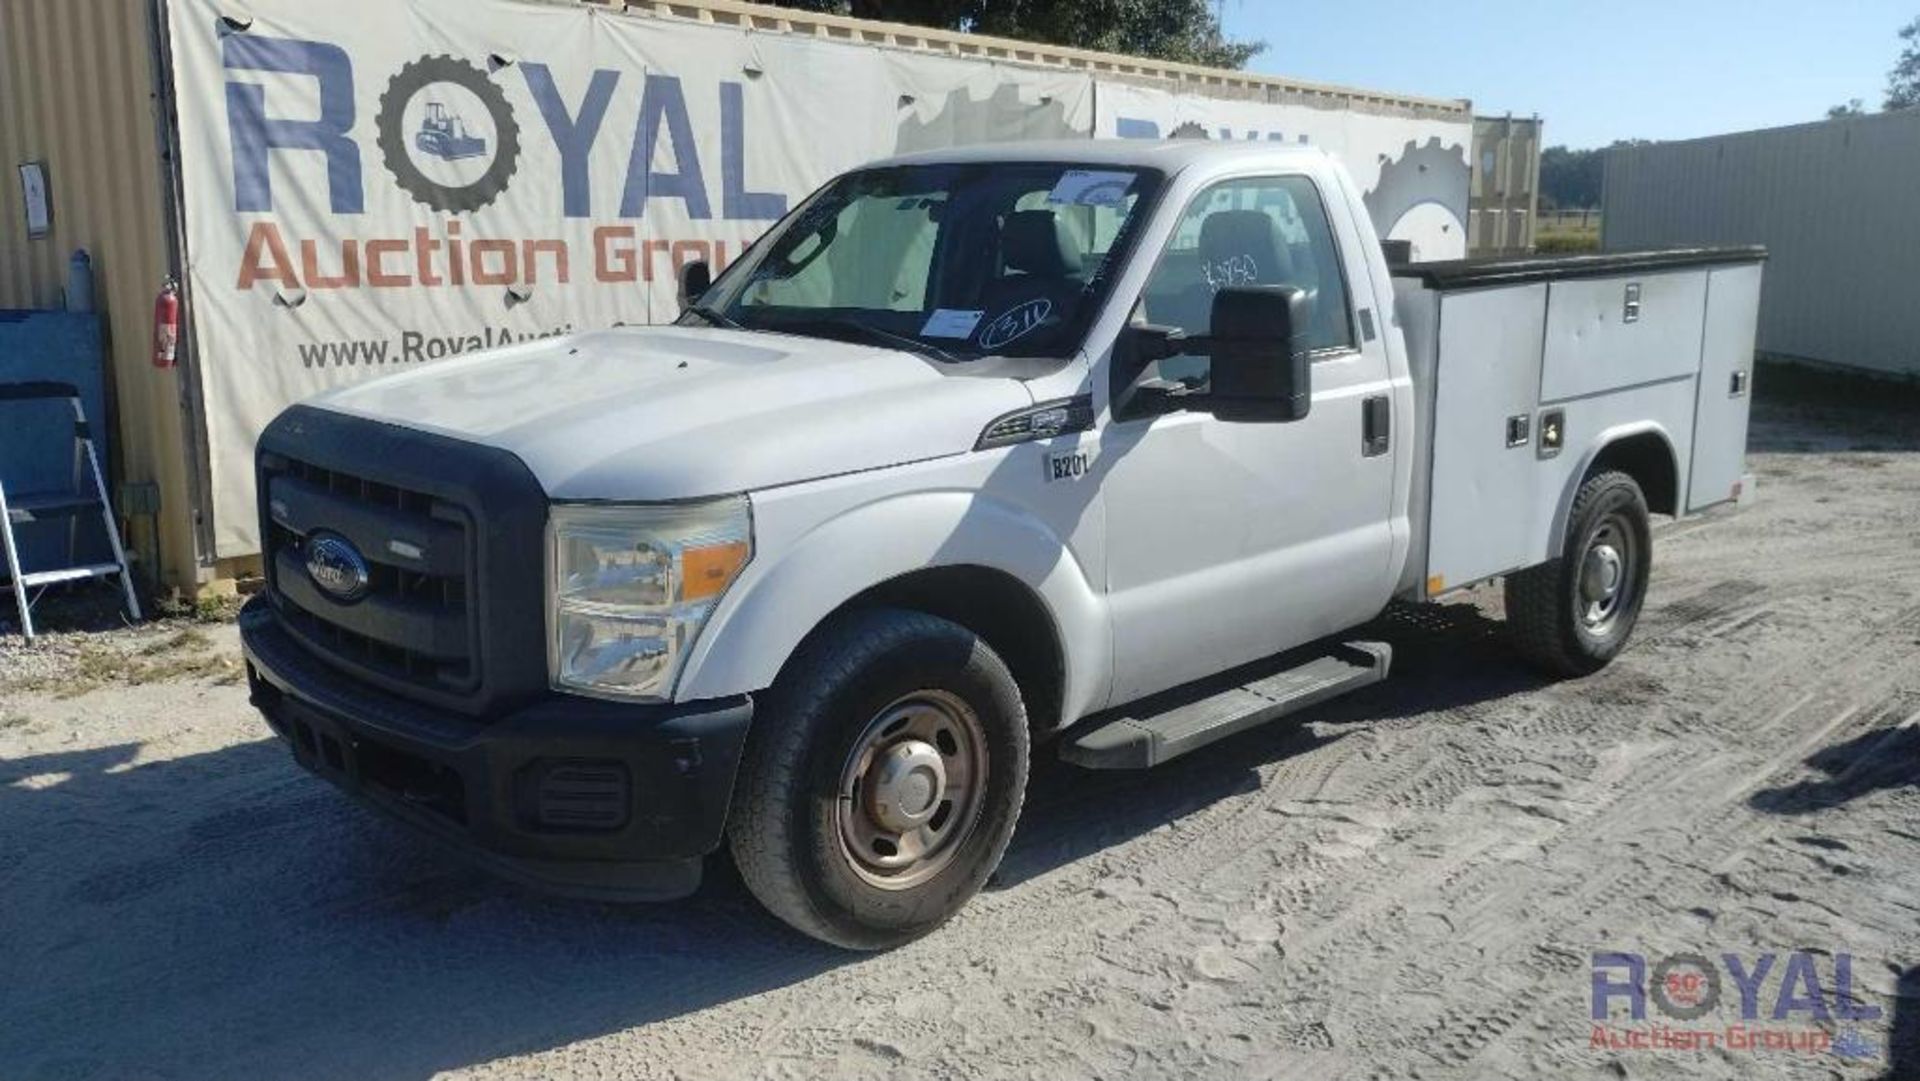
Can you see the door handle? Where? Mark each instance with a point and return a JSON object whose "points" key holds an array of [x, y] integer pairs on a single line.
{"points": [[1376, 426]]}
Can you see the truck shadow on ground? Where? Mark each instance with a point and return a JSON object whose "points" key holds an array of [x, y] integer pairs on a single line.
{"points": [[226, 915], [1446, 657], [1876, 760]]}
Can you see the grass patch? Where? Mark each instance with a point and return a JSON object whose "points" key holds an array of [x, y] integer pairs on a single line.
{"points": [[193, 638], [180, 656], [208, 609], [1566, 241]]}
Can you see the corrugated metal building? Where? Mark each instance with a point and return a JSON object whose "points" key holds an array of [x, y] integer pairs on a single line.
{"points": [[1838, 207], [77, 93]]}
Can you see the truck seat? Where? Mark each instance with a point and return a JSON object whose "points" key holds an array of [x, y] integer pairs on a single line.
{"points": [[1040, 259], [1236, 247]]}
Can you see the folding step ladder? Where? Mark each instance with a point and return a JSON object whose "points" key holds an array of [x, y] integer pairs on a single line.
{"points": [[70, 504]]}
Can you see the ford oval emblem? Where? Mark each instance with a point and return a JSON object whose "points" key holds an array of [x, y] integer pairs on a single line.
{"points": [[337, 567]]}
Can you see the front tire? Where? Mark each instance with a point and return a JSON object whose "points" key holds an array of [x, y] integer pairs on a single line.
{"points": [[1572, 614], [882, 781]]}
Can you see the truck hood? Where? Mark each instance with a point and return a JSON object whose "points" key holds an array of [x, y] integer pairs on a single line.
{"points": [[650, 413]]}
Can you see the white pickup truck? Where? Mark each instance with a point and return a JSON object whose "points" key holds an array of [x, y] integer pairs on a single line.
{"points": [[977, 450]]}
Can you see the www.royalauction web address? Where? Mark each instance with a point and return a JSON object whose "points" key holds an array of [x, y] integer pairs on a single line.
{"points": [[413, 347]]}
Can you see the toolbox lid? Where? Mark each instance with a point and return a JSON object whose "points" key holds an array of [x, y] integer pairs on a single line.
{"points": [[1513, 270]]}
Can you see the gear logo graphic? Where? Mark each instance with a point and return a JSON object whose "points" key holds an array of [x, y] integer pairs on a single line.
{"points": [[1423, 174], [447, 134], [961, 120]]}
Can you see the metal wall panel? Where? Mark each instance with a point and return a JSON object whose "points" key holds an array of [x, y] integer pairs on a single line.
{"points": [[76, 92], [1834, 202]]}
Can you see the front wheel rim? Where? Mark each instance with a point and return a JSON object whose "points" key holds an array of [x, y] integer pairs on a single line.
{"points": [[911, 789]]}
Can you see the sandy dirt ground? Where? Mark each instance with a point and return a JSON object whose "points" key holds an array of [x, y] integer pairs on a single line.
{"points": [[1410, 883]]}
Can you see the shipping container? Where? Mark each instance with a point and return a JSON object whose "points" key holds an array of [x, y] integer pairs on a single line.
{"points": [[1834, 203]]}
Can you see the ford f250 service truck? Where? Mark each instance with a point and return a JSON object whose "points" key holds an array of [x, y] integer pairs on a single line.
{"points": [[976, 449]]}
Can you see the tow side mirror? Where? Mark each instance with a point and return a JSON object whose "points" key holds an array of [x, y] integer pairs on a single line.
{"points": [[1260, 369], [695, 278]]}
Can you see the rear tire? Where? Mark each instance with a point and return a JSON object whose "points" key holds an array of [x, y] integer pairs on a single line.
{"points": [[882, 780], [1572, 614]]}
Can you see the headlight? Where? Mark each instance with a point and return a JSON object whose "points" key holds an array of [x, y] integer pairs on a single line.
{"points": [[631, 586]]}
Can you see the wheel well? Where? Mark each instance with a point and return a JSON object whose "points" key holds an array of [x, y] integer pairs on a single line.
{"points": [[1649, 461], [1003, 611]]}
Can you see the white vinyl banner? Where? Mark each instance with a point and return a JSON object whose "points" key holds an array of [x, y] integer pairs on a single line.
{"points": [[371, 186], [1413, 170]]}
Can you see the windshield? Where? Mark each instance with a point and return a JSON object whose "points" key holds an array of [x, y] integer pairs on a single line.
{"points": [[953, 260]]}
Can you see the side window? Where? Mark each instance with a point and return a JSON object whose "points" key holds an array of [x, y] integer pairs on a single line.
{"points": [[1260, 231]]}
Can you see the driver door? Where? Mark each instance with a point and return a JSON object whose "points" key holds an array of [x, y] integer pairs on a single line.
{"points": [[1227, 542]]}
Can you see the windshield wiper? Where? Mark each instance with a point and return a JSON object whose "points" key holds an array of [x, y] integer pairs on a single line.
{"points": [[713, 317], [876, 334]]}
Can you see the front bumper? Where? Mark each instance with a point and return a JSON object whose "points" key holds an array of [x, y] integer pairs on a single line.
{"points": [[592, 799]]}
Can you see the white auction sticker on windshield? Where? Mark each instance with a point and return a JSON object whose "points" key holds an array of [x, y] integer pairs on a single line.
{"points": [[951, 323], [1091, 187]]}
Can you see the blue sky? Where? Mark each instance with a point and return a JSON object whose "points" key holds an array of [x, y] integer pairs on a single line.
{"points": [[1595, 72]]}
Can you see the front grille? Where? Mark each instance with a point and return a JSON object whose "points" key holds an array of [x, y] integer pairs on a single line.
{"points": [[454, 535], [414, 624]]}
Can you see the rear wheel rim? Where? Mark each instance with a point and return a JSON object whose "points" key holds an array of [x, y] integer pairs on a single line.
{"points": [[911, 789], [1608, 579]]}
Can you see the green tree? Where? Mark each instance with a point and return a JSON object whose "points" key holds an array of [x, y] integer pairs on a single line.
{"points": [[1569, 179], [1903, 82], [1572, 179], [1181, 30], [1853, 107]]}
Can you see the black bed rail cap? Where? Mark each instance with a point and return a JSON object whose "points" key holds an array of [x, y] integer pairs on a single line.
{"points": [[1514, 270]]}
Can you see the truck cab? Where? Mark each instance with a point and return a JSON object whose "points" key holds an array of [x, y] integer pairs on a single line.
{"points": [[976, 451]]}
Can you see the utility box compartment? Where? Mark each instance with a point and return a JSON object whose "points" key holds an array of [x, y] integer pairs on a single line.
{"points": [[1726, 386], [1530, 368], [1488, 389], [1621, 331]]}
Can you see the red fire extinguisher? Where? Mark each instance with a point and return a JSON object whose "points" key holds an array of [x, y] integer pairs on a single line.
{"points": [[166, 325]]}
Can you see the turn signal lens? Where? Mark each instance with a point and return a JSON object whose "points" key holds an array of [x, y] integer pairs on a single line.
{"points": [[708, 571]]}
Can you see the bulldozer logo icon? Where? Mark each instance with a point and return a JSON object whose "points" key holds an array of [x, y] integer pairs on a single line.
{"points": [[444, 135], [465, 142]]}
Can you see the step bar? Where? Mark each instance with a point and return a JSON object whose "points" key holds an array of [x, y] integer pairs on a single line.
{"points": [[1134, 739]]}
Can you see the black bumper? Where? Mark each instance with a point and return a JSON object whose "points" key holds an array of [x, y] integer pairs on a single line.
{"points": [[592, 799]]}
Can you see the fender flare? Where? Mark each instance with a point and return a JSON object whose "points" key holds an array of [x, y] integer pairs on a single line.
{"points": [[1596, 447], [779, 601]]}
